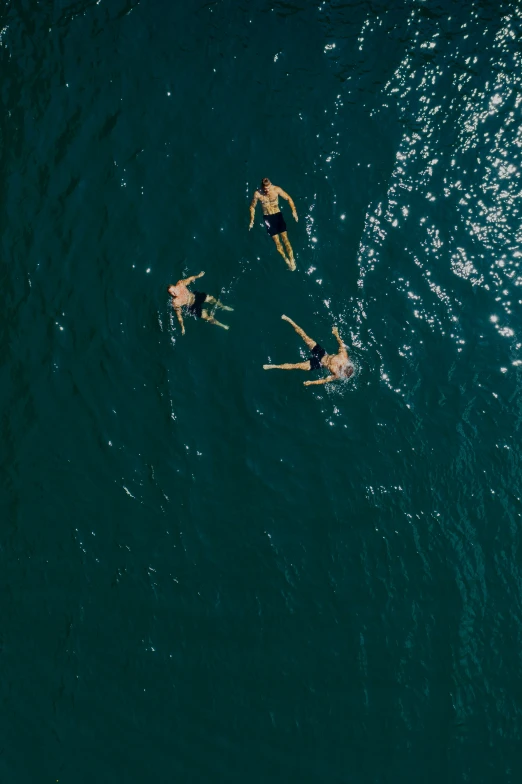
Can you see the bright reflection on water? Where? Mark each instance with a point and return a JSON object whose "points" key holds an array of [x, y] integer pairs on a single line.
{"points": [[473, 174]]}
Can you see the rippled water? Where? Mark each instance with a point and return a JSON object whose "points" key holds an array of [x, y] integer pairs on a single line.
{"points": [[212, 573]]}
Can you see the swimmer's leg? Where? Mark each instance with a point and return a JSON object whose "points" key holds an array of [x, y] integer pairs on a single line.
{"points": [[289, 250], [288, 366], [213, 301], [205, 315], [280, 249], [309, 342]]}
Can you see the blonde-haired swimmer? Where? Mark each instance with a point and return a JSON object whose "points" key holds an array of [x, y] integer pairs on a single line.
{"points": [[338, 364]]}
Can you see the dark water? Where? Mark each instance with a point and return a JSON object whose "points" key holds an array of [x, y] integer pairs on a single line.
{"points": [[211, 573]]}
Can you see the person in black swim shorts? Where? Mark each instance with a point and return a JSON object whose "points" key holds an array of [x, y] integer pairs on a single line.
{"points": [[194, 302], [338, 364], [268, 195]]}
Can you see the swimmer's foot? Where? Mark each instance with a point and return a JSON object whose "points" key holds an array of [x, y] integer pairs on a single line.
{"points": [[291, 263], [268, 367], [226, 307], [217, 323]]}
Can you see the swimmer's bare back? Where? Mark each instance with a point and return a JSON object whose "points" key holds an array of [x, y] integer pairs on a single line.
{"points": [[195, 302]]}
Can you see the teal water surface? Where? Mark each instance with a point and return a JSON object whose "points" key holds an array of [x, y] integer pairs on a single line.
{"points": [[212, 573]]}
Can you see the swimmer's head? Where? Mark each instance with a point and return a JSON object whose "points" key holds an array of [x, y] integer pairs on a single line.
{"points": [[172, 290], [265, 182], [347, 371]]}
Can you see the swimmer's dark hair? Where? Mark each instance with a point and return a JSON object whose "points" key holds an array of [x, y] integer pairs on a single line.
{"points": [[265, 181]]}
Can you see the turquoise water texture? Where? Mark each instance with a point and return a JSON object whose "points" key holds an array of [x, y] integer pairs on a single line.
{"points": [[211, 573]]}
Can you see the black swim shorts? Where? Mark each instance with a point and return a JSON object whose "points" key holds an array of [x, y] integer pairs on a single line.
{"points": [[197, 306], [275, 224], [318, 353]]}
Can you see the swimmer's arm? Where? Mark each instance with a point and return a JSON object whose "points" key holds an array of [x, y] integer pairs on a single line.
{"points": [[253, 209], [192, 278], [342, 347], [289, 199], [319, 381], [180, 319]]}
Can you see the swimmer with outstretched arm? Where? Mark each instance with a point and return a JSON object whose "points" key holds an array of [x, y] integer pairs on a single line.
{"points": [[194, 302], [338, 364]]}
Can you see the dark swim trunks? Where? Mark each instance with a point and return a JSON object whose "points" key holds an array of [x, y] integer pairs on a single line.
{"points": [[318, 353], [275, 224], [197, 306]]}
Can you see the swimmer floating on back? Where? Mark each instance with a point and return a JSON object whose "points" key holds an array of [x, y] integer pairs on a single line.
{"points": [[338, 364], [268, 195], [194, 301]]}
